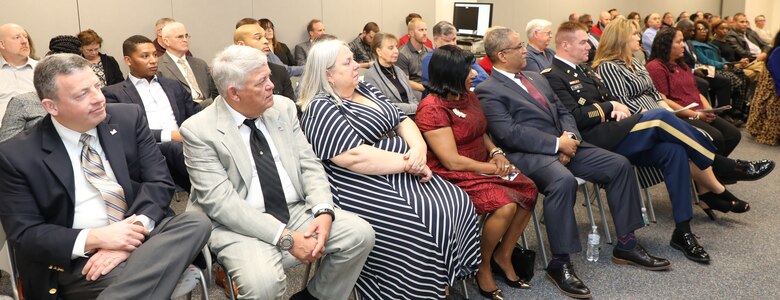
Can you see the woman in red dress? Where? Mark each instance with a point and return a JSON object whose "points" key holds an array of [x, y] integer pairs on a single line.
{"points": [[460, 151]]}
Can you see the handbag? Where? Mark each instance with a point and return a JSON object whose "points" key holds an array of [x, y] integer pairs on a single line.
{"points": [[524, 261]]}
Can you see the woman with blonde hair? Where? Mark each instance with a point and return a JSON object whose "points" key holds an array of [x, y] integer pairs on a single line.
{"points": [[629, 81], [375, 157]]}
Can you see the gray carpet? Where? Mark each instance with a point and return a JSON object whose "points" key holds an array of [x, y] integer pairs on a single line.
{"points": [[744, 249]]}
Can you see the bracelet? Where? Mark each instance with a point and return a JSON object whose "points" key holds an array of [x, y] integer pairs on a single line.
{"points": [[695, 117], [495, 151]]}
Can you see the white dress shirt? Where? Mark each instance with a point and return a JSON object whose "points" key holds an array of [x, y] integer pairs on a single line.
{"points": [[754, 49], [175, 59], [517, 80], [90, 208], [255, 194], [157, 106], [15, 80]]}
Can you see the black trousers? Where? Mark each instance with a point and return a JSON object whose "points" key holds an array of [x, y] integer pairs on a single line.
{"points": [[725, 136]]}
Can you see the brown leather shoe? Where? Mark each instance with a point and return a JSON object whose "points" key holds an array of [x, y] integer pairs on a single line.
{"points": [[220, 279]]}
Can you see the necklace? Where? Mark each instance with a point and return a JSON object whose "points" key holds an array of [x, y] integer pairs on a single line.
{"points": [[389, 70]]}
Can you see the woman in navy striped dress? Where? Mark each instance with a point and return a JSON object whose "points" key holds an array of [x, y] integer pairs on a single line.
{"points": [[375, 157]]}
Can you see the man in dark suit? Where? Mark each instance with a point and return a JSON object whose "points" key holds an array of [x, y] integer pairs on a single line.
{"points": [[166, 103], [253, 35], [745, 41], [86, 197], [541, 138], [191, 71], [647, 138]]}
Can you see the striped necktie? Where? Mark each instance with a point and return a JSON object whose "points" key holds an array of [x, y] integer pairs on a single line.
{"points": [[112, 193], [191, 80]]}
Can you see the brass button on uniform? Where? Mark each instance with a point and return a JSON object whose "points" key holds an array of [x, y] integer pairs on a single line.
{"points": [[52, 291]]}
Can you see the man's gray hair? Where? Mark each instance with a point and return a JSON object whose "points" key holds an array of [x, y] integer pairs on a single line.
{"points": [[536, 25], [319, 61], [443, 28], [496, 39], [47, 70], [233, 64]]}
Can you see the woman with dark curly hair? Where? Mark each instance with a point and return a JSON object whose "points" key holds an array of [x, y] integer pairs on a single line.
{"points": [[460, 151], [280, 49], [673, 78]]}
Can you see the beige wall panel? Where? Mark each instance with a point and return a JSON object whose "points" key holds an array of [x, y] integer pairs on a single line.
{"points": [[346, 18], [290, 18], [394, 12], [115, 21], [42, 19], [211, 23]]}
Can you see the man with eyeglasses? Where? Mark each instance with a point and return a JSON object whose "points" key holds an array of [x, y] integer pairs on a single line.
{"points": [[157, 41], [539, 135], [539, 35], [191, 71], [16, 66], [444, 33]]}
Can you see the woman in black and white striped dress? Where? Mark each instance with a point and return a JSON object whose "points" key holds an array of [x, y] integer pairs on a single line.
{"points": [[375, 157]]}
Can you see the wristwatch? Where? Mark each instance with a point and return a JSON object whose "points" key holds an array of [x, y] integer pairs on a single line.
{"points": [[326, 211], [286, 241]]}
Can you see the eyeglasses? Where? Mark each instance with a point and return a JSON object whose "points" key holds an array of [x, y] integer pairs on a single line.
{"points": [[703, 29], [521, 46], [183, 36]]}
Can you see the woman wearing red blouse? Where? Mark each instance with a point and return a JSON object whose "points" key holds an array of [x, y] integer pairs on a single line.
{"points": [[674, 79], [460, 151]]}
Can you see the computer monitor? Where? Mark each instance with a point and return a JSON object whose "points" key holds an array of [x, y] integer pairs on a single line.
{"points": [[472, 19]]}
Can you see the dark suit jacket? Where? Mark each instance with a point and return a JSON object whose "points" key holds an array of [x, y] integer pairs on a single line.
{"points": [[181, 101], [521, 125], [111, 69], [285, 55], [588, 100], [282, 84], [168, 68], [741, 48], [38, 191]]}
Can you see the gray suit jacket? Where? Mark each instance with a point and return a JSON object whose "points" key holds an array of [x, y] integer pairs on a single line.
{"points": [[23, 112], [520, 125], [375, 77], [220, 168], [301, 51], [168, 68]]}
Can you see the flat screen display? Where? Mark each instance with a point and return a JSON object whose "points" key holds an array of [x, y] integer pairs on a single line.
{"points": [[472, 19]]}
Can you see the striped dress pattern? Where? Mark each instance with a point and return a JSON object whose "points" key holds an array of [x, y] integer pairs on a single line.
{"points": [[426, 233]]}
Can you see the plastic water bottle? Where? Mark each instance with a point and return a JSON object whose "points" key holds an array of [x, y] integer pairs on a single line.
{"points": [[644, 216], [592, 253]]}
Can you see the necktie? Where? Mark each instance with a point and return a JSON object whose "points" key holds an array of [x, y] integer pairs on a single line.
{"points": [[112, 192], [532, 90], [273, 195], [191, 79]]}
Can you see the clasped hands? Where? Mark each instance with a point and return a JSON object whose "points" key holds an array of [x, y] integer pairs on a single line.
{"points": [[309, 245], [567, 147], [503, 166], [112, 245], [416, 164]]}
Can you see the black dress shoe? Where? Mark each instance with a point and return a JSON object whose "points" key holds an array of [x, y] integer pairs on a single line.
{"points": [[518, 284], [568, 282], [686, 242], [496, 294], [748, 171], [639, 257]]}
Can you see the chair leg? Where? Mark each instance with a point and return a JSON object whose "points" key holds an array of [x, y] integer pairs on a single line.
{"points": [[650, 210], [587, 204], [230, 284], [204, 288], [465, 289], [604, 222], [540, 239]]}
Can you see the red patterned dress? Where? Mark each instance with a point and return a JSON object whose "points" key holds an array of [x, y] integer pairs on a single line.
{"points": [[488, 193]]}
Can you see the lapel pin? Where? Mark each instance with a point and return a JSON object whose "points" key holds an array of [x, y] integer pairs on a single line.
{"points": [[575, 74], [112, 132], [261, 152]]}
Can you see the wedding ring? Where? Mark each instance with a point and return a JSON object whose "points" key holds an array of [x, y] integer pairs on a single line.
{"points": [[506, 167]]}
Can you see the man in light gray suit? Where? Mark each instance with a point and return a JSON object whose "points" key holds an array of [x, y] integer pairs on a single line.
{"points": [[255, 175], [191, 71]]}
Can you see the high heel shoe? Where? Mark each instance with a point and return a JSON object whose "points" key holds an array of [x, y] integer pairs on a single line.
{"points": [[723, 202], [707, 210], [519, 283], [496, 294]]}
